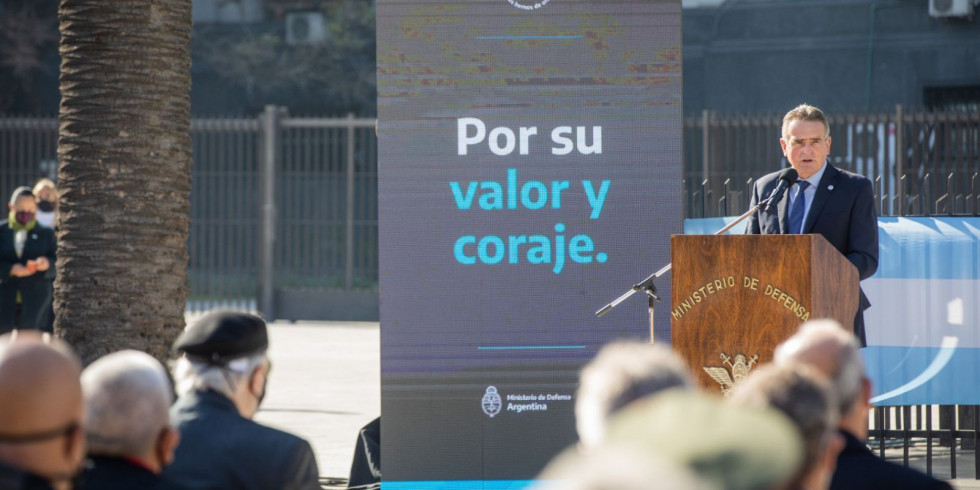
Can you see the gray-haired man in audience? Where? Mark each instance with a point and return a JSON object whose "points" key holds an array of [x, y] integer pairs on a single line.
{"points": [[130, 440], [826, 346], [623, 372], [805, 396], [221, 379]]}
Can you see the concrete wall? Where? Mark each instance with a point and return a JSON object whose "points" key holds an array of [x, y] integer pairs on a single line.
{"points": [[842, 55]]}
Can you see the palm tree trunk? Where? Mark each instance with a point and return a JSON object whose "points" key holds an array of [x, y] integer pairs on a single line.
{"points": [[124, 176]]}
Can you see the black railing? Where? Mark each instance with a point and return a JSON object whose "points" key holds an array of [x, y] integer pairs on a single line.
{"points": [[951, 194]]}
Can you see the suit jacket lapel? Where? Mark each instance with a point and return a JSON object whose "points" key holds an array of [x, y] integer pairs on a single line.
{"points": [[821, 196]]}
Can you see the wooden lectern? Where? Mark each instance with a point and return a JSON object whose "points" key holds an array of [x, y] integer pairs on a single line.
{"points": [[736, 297]]}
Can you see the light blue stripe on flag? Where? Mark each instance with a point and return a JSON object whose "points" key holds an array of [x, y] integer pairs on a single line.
{"points": [[955, 383], [929, 248]]}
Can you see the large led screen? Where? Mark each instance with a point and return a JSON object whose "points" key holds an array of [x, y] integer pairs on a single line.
{"points": [[529, 173]]}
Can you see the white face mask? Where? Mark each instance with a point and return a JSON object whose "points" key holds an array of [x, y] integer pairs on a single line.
{"points": [[45, 219]]}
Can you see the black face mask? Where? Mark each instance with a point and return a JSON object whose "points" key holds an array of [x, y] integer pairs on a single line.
{"points": [[261, 396], [46, 206]]}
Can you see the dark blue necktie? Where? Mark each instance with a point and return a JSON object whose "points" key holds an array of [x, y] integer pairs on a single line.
{"points": [[796, 211]]}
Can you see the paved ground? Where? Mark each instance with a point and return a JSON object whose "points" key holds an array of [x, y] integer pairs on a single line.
{"points": [[325, 385]]}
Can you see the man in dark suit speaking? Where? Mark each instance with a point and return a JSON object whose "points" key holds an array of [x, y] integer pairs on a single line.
{"points": [[834, 203]]}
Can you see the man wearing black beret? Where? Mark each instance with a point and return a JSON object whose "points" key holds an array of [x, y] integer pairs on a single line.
{"points": [[220, 379]]}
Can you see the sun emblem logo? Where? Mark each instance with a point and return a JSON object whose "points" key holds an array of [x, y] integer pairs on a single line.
{"points": [[739, 370], [491, 401], [528, 4]]}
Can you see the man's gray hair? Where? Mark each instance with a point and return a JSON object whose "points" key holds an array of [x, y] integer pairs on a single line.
{"points": [[832, 350], [623, 372], [127, 399], [805, 112], [193, 374], [802, 394]]}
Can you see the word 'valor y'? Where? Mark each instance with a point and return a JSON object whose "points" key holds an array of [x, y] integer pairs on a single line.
{"points": [[502, 141], [532, 194]]}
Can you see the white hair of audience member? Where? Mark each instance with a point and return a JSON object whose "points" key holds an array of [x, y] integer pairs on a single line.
{"points": [[623, 372], [802, 394], [618, 468], [127, 402], [191, 374], [830, 348]]}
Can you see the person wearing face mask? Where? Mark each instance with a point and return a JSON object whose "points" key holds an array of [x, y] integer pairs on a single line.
{"points": [[27, 258], [127, 424], [221, 377], [47, 208], [47, 203]]}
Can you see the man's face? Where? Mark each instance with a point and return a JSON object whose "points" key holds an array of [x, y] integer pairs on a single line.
{"points": [[25, 205], [806, 146]]}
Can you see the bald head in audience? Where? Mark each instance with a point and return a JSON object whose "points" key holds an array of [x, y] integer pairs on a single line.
{"points": [[127, 399], [41, 412], [833, 351]]}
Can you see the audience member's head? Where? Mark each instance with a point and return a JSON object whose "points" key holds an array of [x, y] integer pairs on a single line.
{"points": [[225, 352], [826, 346], [127, 399], [22, 206], [41, 414], [616, 468], [47, 202], [805, 396], [730, 446], [621, 373]]}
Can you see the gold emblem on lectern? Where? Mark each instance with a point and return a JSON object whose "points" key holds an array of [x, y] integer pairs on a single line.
{"points": [[739, 369]]}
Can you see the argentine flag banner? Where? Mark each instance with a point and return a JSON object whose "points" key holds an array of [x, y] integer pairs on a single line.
{"points": [[923, 326]]}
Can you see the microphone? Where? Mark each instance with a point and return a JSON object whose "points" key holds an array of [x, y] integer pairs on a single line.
{"points": [[786, 178]]}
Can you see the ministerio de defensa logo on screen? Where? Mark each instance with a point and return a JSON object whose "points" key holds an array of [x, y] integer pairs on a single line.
{"points": [[528, 4]]}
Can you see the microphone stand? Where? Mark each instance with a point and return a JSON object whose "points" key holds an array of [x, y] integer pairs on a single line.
{"points": [[647, 286]]}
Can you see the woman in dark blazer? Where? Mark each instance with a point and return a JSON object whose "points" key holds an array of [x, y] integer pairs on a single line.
{"points": [[27, 255]]}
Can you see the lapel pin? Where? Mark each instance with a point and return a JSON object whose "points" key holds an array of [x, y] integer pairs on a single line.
{"points": [[830, 187]]}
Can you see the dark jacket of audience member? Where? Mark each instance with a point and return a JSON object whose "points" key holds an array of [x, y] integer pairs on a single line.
{"points": [[221, 449], [859, 468], [114, 473], [14, 479]]}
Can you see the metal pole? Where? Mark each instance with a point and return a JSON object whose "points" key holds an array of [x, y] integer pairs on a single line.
{"points": [[270, 143], [705, 147], [349, 256], [653, 314], [899, 161]]}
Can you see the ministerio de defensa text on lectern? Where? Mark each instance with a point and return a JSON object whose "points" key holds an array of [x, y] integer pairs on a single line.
{"points": [[736, 297]]}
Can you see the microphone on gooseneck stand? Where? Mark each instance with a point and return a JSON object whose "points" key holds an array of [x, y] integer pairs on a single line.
{"points": [[786, 178]]}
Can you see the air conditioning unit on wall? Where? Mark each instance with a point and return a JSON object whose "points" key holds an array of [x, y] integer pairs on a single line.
{"points": [[951, 8], [305, 28]]}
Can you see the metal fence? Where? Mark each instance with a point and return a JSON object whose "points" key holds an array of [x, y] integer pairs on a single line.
{"points": [[283, 210], [922, 163]]}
